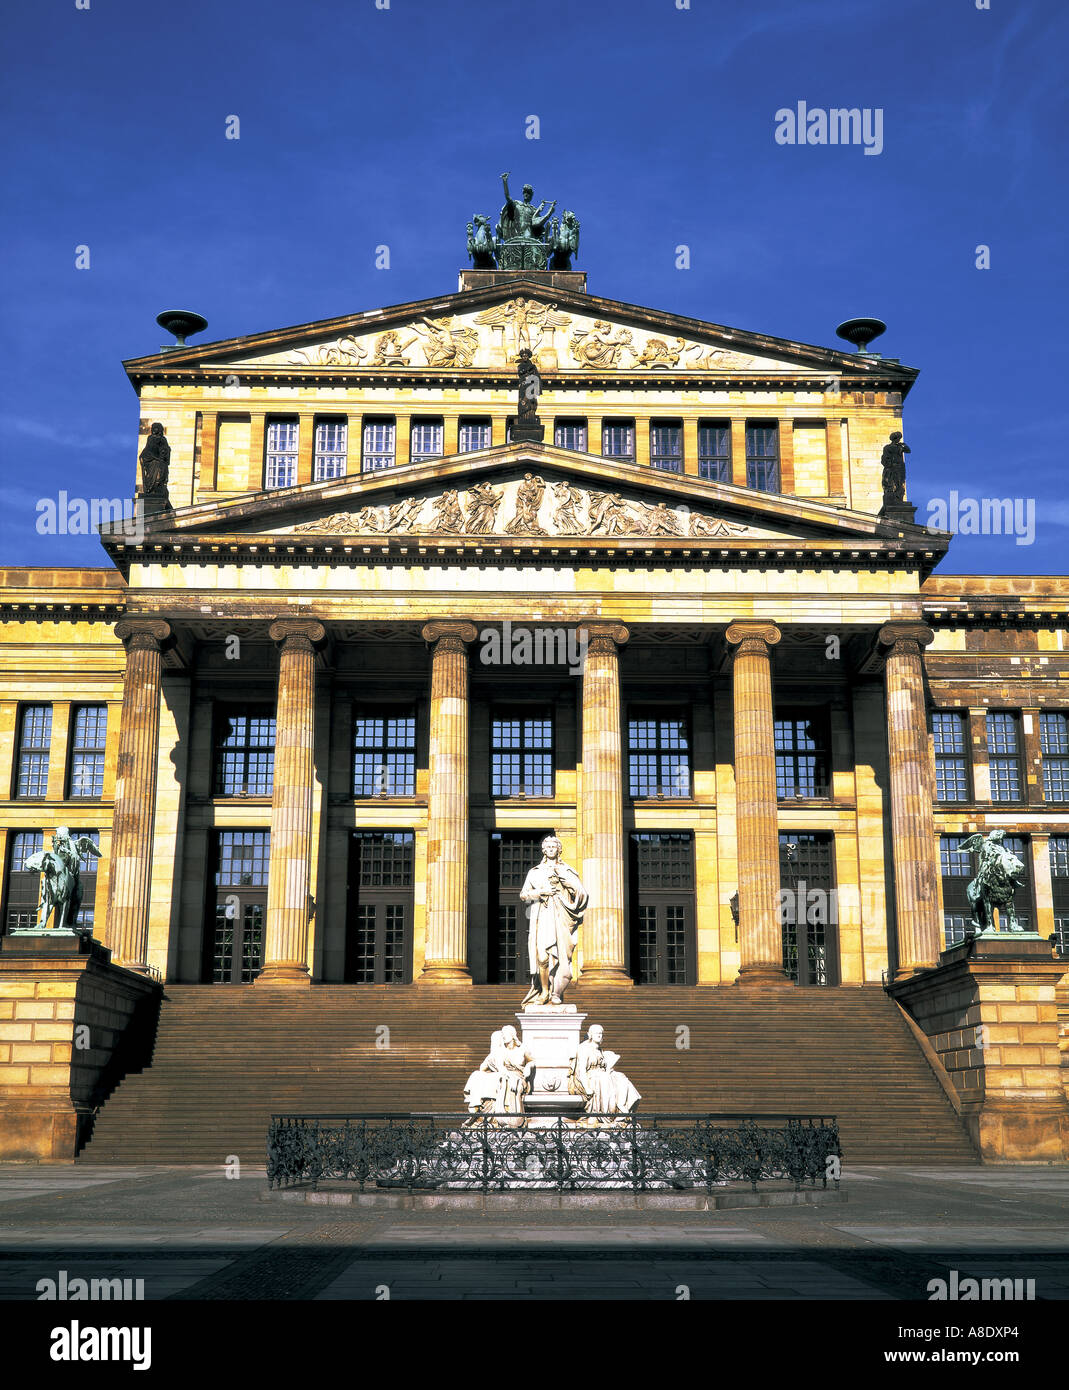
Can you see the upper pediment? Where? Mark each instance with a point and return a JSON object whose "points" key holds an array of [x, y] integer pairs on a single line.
{"points": [[525, 494], [483, 330], [491, 338]]}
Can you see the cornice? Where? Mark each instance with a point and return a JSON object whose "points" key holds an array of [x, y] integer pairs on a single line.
{"points": [[196, 360], [626, 552]]}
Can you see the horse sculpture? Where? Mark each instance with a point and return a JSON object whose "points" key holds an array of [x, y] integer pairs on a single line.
{"points": [[61, 884], [481, 246], [563, 241]]}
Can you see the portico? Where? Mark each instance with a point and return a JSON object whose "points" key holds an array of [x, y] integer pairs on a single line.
{"points": [[602, 782]]}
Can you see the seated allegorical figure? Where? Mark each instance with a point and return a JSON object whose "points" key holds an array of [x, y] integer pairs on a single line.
{"points": [[480, 1089], [605, 1090], [503, 1077]]}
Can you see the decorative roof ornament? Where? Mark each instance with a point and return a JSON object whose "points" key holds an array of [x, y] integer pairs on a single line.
{"points": [[526, 237], [861, 332]]}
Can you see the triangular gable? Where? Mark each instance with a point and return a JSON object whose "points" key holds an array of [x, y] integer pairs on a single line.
{"points": [[524, 492], [484, 330], [492, 338]]}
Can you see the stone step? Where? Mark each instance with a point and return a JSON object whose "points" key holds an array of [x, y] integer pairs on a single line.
{"points": [[225, 1058]]}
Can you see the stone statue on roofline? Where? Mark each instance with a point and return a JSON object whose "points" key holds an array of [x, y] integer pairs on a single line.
{"points": [[155, 462], [893, 463]]}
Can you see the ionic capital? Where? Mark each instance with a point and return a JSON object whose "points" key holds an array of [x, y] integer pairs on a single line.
{"points": [[905, 638], [450, 636], [296, 632], [604, 638], [143, 634], [751, 637]]}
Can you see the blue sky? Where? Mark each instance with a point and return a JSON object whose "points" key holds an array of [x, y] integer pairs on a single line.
{"points": [[362, 126]]}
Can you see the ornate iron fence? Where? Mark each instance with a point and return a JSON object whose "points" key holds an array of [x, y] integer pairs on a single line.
{"points": [[493, 1153]]}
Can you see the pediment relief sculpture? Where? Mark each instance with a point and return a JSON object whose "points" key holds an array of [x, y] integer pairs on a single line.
{"points": [[523, 323], [495, 337], [525, 507]]}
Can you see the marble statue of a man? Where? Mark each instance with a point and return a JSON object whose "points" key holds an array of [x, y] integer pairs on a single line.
{"points": [[605, 1090], [556, 902]]}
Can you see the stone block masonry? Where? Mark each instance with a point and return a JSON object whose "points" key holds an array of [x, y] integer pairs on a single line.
{"points": [[72, 1024], [990, 1012]]}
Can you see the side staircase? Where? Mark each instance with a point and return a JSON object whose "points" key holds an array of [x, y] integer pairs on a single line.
{"points": [[226, 1057]]}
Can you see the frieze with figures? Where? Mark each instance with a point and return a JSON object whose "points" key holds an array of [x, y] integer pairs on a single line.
{"points": [[494, 338], [530, 506]]}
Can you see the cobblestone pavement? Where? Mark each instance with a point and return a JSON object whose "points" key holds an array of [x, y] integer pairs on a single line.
{"points": [[192, 1233]]}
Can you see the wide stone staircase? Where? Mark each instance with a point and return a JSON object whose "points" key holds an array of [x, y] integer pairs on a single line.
{"points": [[226, 1057]]}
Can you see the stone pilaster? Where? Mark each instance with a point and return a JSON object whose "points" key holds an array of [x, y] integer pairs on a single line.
{"points": [[604, 935], [126, 928], [916, 851], [289, 902], [446, 958], [760, 930]]}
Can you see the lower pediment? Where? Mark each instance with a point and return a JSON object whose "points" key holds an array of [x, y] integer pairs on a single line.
{"points": [[527, 505], [529, 493]]}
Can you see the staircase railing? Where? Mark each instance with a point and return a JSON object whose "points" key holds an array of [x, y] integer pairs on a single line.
{"points": [[497, 1153]]}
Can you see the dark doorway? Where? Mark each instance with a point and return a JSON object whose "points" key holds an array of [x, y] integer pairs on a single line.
{"points": [[378, 948], [512, 855], [663, 942], [809, 909], [238, 905]]}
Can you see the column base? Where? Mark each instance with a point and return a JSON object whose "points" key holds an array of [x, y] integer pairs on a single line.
{"points": [[914, 971], [611, 976], [445, 975], [763, 975], [288, 973]]}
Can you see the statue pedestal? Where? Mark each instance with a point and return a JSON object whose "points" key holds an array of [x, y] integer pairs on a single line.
{"points": [[520, 432], [900, 512], [991, 1016], [551, 1033]]}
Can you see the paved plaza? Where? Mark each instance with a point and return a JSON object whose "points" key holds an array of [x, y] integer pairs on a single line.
{"points": [[193, 1233]]}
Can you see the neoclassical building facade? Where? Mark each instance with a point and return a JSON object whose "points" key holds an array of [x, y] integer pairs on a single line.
{"points": [[320, 707]]}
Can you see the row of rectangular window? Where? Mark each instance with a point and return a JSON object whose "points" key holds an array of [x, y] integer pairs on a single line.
{"points": [[330, 453], [953, 761], [243, 861], [385, 756], [521, 757], [85, 772]]}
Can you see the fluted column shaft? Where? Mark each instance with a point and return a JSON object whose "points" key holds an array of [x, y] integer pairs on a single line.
{"points": [[604, 934], [912, 795], [289, 899], [445, 959], [760, 929], [126, 929]]}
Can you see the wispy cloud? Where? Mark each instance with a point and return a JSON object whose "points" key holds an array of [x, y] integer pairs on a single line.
{"points": [[17, 497], [52, 434]]}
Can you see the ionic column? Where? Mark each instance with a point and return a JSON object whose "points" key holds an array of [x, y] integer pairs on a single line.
{"points": [[289, 898], [604, 935], [915, 849], [445, 960], [126, 928], [760, 930]]}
